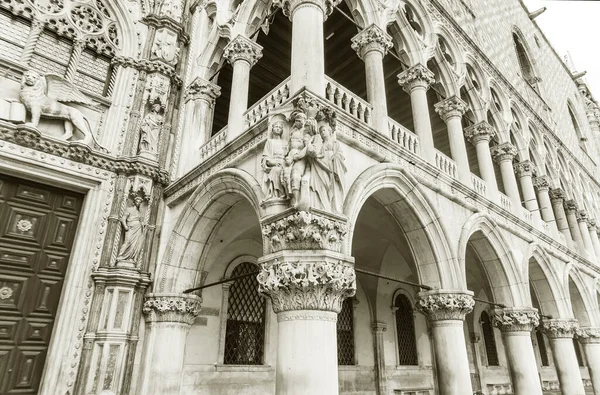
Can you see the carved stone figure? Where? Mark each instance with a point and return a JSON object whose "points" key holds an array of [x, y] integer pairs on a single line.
{"points": [[276, 173], [301, 135], [42, 97], [333, 158], [132, 222], [150, 130]]}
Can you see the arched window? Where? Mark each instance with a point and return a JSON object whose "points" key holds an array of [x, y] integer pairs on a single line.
{"points": [[245, 329], [405, 331], [524, 62], [576, 127], [489, 340], [345, 333], [541, 345]]}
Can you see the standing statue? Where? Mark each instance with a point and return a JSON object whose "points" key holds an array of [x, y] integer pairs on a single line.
{"points": [[42, 97], [301, 134], [131, 249], [273, 164], [332, 154], [150, 130]]}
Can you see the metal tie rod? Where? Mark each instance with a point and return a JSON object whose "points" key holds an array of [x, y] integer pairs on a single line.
{"points": [[368, 273], [227, 280]]}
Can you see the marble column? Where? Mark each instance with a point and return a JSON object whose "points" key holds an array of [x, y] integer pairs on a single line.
{"points": [[557, 197], [242, 53], [37, 27], [560, 334], [371, 45], [593, 230], [541, 185], [504, 154], [582, 221], [168, 320], [516, 325], [571, 209], [416, 81], [78, 47], [590, 340], [446, 311], [480, 135], [524, 171], [451, 111], [378, 328]]}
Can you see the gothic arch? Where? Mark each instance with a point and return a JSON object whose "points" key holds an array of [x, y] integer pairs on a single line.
{"points": [[479, 98], [582, 304], [518, 133], [418, 49], [414, 215]]}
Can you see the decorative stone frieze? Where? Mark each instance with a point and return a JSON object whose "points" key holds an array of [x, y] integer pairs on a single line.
{"points": [[557, 194], [372, 38], [557, 328], [416, 76], [570, 206], [503, 152], [451, 107], [149, 66], [171, 308], [242, 48], [582, 216], [515, 319], [302, 230], [588, 335], [441, 305], [481, 131], [289, 6], [525, 168], [200, 89], [541, 183], [293, 283]]}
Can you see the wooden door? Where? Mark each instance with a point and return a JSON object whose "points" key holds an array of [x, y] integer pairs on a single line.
{"points": [[37, 228]]}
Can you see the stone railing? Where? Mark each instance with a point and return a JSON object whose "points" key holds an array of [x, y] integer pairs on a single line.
{"points": [[403, 136], [505, 202], [214, 145], [479, 185], [424, 391], [261, 108], [499, 389], [348, 101], [445, 164], [527, 215]]}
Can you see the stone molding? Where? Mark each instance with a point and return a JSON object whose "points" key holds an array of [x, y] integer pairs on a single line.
{"points": [[481, 131], [307, 315], [149, 66], [372, 38], [289, 6], [415, 77], [524, 168], [451, 107], [293, 283], [557, 328], [588, 335], [200, 89], [378, 326], [242, 48], [541, 183], [303, 230], [557, 195], [178, 308], [158, 21], [442, 305], [570, 206], [515, 319], [582, 216], [503, 152]]}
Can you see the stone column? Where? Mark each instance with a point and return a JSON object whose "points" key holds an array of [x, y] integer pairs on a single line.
{"points": [[371, 45], [415, 81], [516, 325], [378, 329], [168, 320], [593, 230], [542, 186], [242, 53], [78, 47], [37, 27], [582, 221], [570, 207], [504, 154], [590, 340], [560, 333], [524, 171], [557, 197], [451, 111], [480, 135], [446, 311]]}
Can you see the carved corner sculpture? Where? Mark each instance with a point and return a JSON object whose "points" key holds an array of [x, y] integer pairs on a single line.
{"points": [[43, 96], [134, 226]]}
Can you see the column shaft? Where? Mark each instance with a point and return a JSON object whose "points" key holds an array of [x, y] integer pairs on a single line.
{"points": [[557, 199], [37, 27], [479, 135], [590, 340], [594, 236], [78, 47], [560, 334], [522, 364], [510, 183], [308, 52], [451, 110], [571, 213], [582, 221], [378, 329], [546, 207], [524, 171]]}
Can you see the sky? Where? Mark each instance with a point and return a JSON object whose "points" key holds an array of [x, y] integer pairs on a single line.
{"points": [[573, 27]]}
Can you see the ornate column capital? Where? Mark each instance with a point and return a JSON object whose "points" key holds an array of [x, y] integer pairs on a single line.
{"points": [[570, 206], [378, 326], [242, 48], [417, 76], [372, 38], [200, 89], [504, 152], [289, 6], [525, 168], [592, 225], [441, 305], [582, 216], [588, 335], [451, 107], [557, 328], [557, 195], [481, 131], [180, 308], [541, 183], [515, 319]]}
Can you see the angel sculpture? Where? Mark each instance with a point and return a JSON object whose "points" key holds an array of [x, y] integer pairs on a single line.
{"points": [[42, 97]]}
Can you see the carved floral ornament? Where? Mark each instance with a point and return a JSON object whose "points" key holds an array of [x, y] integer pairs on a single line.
{"points": [[289, 6], [588, 335], [481, 131], [515, 320], [200, 89], [445, 305], [559, 328], [525, 168], [504, 152], [373, 38], [570, 206], [172, 308], [416, 76], [242, 48], [451, 107]]}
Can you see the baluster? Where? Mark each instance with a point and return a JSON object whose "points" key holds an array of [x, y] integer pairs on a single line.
{"points": [[368, 116], [329, 92], [286, 91], [360, 111], [345, 102], [338, 97], [353, 107], [394, 133]]}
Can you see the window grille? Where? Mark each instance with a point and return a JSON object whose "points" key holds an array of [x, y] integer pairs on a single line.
{"points": [[489, 340], [51, 54], [542, 348], [245, 329], [580, 361], [345, 333], [93, 72], [405, 331], [13, 36]]}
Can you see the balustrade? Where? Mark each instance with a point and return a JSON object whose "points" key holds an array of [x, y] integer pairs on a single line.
{"points": [[215, 144], [479, 185], [261, 108], [527, 215], [505, 202], [445, 164], [407, 139], [348, 101]]}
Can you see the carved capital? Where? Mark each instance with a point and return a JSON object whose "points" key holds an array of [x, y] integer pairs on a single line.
{"points": [[200, 89], [582, 216], [171, 308], [451, 107], [588, 335], [378, 326], [305, 281], [503, 152], [372, 38], [592, 225], [525, 168], [557, 328], [541, 183], [516, 319], [242, 48], [570, 206], [481, 131], [441, 305], [289, 6], [415, 77], [557, 195]]}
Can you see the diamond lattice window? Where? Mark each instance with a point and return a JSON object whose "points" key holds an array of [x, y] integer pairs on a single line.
{"points": [[245, 330], [489, 340], [345, 333], [405, 330]]}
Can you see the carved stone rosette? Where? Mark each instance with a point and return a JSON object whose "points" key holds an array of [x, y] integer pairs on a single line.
{"points": [[588, 335], [176, 308], [524, 168], [504, 152], [515, 319], [541, 183], [372, 38], [200, 89], [242, 48], [481, 131], [295, 281], [557, 328], [451, 107], [289, 6], [442, 305], [416, 76]]}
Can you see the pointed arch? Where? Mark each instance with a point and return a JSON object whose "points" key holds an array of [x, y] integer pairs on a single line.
{"points": [[582, 303]]}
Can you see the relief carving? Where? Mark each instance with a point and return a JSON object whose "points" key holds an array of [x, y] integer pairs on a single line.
{"points": [[515, 320], [133, 223], [172, 308], [559, 328], [150, 132], [440, 305], [165, 47]]}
